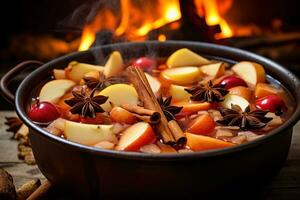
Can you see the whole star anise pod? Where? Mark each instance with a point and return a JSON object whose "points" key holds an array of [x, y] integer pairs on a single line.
{"points": [[207, 93], [169, 111], [86, 105], [103, 82], [246, 120]]}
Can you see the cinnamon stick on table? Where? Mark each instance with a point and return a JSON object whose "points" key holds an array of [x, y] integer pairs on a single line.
{"points": [[170, 131]]}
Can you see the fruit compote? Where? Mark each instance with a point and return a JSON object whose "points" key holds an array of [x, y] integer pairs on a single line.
{"points": [[180, 104]]}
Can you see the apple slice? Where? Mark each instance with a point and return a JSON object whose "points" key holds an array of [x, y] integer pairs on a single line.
{"points": [[59, 74], [75, 70], [235, 100], [154, 83], [89, 134], [53, 90], [251, 72], [114, 64], [178, 93], [215, 70], [136, 136], [118, 95], [264, 89], [182, 75], [241, 91], [201, 142], [202, 125], [191, 107], [121, 115], [185, 57]]}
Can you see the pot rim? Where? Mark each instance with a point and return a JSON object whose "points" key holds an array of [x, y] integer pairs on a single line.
{"points": [[161, 157]]}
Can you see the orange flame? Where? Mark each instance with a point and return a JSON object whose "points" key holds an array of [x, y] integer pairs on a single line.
{"points": [[137, 21]]}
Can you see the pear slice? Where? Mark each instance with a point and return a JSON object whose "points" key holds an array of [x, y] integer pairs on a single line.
{"points": [[178, 93], [114, 64], [75, 70], [251, 72], [154, 83], [88, 134], [186, 57], [181, 75], [118, 95], [215, 70], [53, 90]]}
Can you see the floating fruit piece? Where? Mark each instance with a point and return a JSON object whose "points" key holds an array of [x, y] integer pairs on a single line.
{"points": [[272, 103], [136, 136], [241, 91], [144, 63], [75, 70], [43, 112], [186, 57], [118, 95], [89, 134], [154, 83], [202, 125], [235, 100], [215, 70], [201, 142], [53, 90], [233, 81], [92, 74], [165, 148], [188, 108], [121, 115], [178, 93], [182, 75], [251, 72], [114, 64], [264, 89], [59, 74]]}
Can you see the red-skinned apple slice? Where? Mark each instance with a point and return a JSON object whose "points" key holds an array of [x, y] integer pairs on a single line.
{"points": [[136, 136]]}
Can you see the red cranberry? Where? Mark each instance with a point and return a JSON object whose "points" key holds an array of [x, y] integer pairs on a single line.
{"points": [[144, 63], [233, 81], [43, 112], [272, 103]]}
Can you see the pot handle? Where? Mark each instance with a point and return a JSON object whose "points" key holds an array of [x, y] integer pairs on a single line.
{"points": [[6, 79]]}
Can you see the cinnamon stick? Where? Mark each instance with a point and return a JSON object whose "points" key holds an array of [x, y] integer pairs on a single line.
{"points": [[138, 79], [142, 113]]}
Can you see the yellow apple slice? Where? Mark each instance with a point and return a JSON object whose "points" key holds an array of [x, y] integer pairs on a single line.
{"points": [[186, 57], [118, 95], [154, 83], [215, 70], [59, 74], [235, 100], [182, 75], [178, 93], [251, 72], [114, 64], [89, 134], [75, 70], [136, 136], [53, 90]]}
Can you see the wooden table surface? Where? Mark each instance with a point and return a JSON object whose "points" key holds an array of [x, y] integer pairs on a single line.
{"points": [[286, 185]]}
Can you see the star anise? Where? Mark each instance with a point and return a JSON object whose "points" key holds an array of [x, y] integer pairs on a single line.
{"points": [[246, 120], [103, 82], [169, 111], [87, 105], [13, 123], [207, 93]]}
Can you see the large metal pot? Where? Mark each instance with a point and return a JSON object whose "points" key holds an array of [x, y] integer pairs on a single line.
{"points": [[91, 172]]}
